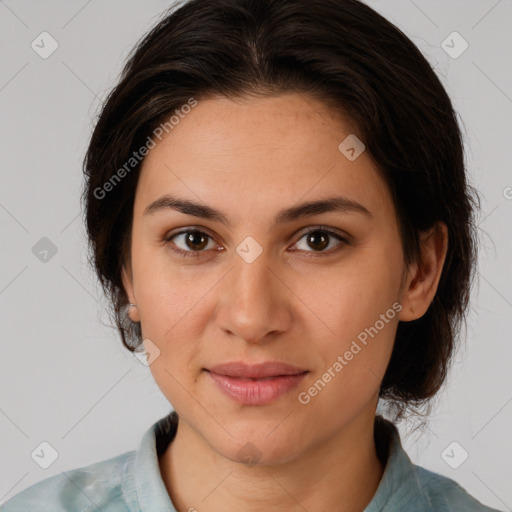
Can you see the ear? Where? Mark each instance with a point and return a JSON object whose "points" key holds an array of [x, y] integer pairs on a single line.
{"points": [[422, 279], [127, 278]]}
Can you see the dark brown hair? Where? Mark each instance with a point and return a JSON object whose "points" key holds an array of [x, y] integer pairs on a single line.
{"points": [[344, 54]]}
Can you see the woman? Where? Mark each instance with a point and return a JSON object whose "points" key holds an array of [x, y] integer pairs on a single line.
{"points": [[277, 206]]}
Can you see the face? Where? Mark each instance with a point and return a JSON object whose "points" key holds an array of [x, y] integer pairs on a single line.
{"points": [[318, 288]]}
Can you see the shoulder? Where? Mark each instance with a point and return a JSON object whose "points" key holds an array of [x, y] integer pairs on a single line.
{"points": [[444, 494], [98, 486], [407, 486]]}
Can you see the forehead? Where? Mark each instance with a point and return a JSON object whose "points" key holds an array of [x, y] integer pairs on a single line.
{"points": [[265, 150]]}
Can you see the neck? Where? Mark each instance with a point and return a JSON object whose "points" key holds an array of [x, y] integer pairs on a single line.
{"points": [[341, 473]]}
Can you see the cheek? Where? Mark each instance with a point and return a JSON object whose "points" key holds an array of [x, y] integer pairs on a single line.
{"points": [[354, 295], [173, 313], [359, 313], [166, 293], [353, 360]]}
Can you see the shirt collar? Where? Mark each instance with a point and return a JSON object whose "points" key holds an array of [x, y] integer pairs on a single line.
{"points": [[151, 491], [398, 489]]}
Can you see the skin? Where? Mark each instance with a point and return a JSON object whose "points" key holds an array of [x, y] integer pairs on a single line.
{"points": [[251, 158]]}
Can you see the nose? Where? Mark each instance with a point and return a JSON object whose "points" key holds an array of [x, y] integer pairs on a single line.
{"points": [[254, 301]]}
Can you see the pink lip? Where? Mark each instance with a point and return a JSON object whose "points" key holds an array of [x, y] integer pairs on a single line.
{"points": [[255, 384], [255, 371]]}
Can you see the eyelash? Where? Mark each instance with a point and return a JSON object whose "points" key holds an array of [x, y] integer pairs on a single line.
{"points": [[195, 254]]}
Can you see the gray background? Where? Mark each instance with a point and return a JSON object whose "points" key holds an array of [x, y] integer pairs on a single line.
{"points": [[64, 376]]}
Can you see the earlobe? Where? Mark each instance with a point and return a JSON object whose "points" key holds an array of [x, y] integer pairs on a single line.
{"points": [[407, 312], [126, 277], [423, 278]]}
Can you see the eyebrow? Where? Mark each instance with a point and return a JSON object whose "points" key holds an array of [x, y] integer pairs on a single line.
{"points": [[337, 204]]}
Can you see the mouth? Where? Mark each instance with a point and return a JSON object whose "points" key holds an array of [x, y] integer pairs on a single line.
{"points": [[261, 371], [255, 384]]}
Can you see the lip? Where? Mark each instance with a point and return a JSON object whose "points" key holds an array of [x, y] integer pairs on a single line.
{"points": [[255, 371], [258, 384]]}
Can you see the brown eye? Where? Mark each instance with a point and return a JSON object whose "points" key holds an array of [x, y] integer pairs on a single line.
{"points": [[188, 243], [196, 240], [318, 240]]}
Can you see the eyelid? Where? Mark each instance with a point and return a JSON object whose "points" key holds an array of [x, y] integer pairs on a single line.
{"points": [[167, 239], [343, 237], [301, 232], [333, 231]]}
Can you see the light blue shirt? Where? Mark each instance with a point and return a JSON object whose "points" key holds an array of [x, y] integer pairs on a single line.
{"points": [[131, 482]]}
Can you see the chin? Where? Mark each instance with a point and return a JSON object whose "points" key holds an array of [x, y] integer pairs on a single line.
{"points": [[259, 445]]}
